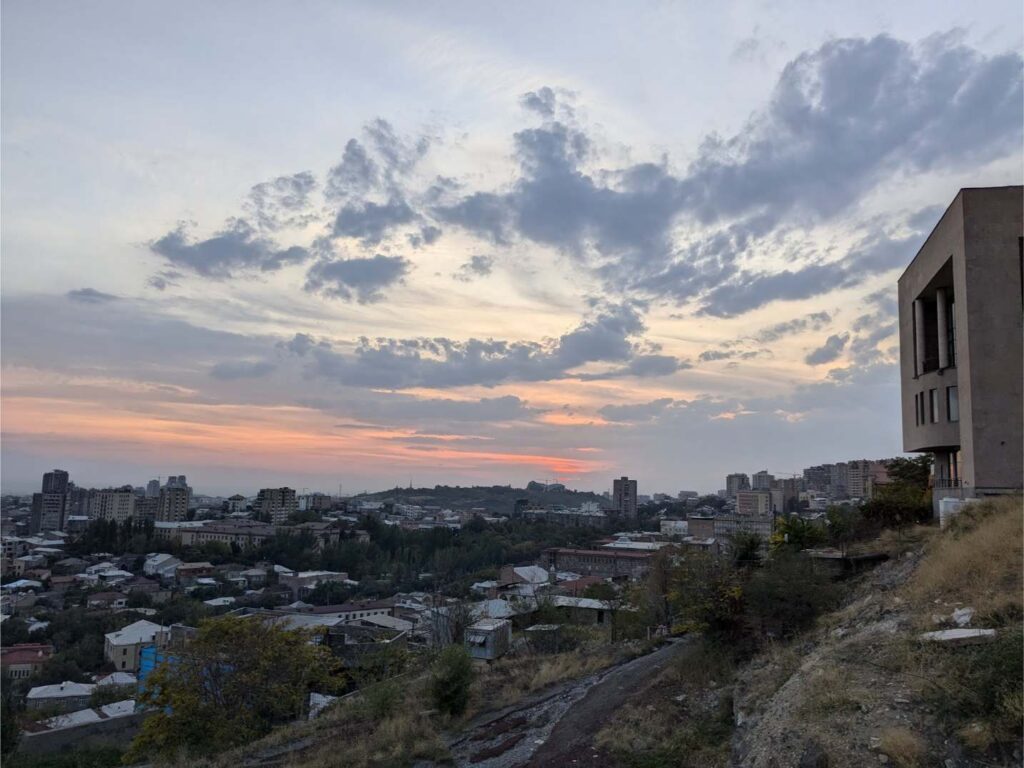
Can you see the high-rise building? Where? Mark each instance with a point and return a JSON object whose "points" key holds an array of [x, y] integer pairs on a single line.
{"points": [[624, 496], [276, 505], [818, 479], [762, 481], [785, 495], [173, 504], [153, 489], [839, 481], [116, 504], [754, 503], [49, 512], [55, 481], [735, 483], [961, 366]]}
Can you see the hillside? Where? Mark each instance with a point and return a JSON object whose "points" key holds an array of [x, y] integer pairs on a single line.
{"points": [[864, 687]]}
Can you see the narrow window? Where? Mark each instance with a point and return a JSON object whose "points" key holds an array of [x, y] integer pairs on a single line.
{"points": [[933, 405], [953, 403], [917, 418]]}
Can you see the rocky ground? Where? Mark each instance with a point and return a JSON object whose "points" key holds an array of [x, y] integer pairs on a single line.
{"points": [[558, 727]]}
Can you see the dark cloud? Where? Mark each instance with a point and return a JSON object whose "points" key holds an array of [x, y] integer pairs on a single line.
{"points": [[164, 279], [609, 335], [359, 279], [372, 222], [633, 412], [236, 247], [477, 266], [829, 351], [241, 369], [282, 202], [356, 174], [841, 118], [812, 322], [90, 296], [427, 235]]}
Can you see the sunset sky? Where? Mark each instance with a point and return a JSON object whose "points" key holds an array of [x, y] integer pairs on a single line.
{"points": [[370, 244]]}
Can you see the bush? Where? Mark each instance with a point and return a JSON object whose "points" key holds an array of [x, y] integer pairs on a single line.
{"points": [[453, 675], [787, 595]]}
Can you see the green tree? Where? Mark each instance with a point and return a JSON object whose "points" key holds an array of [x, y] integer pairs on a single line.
{"points": [[844, 526], [9, 731], [230, 684], [746, 549], [706, 595], [787, 594], [794, 533], [452, 677]]}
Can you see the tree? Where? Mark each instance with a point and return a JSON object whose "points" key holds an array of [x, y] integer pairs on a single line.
{"points": [[844, 525], [9, 731], [706, 595], [452, 677], [230, 684], [787, 594], [795, 534], [746, 549]]}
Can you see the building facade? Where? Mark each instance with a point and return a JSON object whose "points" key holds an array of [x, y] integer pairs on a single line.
{"points": [[624, 496], [736, 482], [116, 504], [276, 505], [173, 504], [961, 370]]}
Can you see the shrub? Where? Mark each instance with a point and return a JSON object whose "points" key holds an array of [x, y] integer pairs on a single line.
{"points": [[904, 747], [453, 675]]}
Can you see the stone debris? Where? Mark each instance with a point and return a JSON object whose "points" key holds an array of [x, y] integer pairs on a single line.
{"points": [[962, 616], [960, 636]]}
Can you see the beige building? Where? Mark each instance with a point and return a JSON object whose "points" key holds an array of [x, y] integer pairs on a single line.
{"points": [[122, 648], [116, 504], [960, 303], [173, 504], [276, 505], [753, 503]]}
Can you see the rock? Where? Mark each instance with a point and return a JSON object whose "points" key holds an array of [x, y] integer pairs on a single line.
{"points": [[813, 756], [956, 637], [962, 616], [938, 618], [883, 759]]}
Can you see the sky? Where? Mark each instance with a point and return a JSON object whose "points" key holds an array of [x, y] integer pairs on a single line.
{"points": [[325, 244]]}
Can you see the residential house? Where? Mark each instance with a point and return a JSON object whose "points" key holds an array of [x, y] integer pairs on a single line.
{"points": [[64, 696], [25, 659], [122, 647]]}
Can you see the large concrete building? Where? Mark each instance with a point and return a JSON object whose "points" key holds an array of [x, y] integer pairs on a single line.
{"points": [[960, 309], [172, 506], [624, 496], [735, 483], [116, 504], [276, 505]]}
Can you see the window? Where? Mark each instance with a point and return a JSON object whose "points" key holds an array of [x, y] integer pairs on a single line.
{"points": [[953, 403], [933, 405], [917, 412]]}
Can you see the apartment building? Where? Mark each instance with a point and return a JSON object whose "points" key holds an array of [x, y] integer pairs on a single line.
{"points": [[961, 370], [735, 483], [116, 504], [173, 504], [624, 496], [276, 505]]}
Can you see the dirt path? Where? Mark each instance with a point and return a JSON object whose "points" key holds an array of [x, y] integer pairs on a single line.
{"points": [[570, 739], [557, 729]]}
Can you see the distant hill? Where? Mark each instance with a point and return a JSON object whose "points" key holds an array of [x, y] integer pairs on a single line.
{"points": [[496, 499]]}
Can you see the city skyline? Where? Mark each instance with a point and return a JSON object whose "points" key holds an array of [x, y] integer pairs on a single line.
{"points": [[478, 257]]}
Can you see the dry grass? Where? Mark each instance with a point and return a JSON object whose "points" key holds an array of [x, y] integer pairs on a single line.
{"points": [[828, 692], [356, 735], [684, 719], [775, 666], [903, 747], [976, 562], [511, 679]]}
